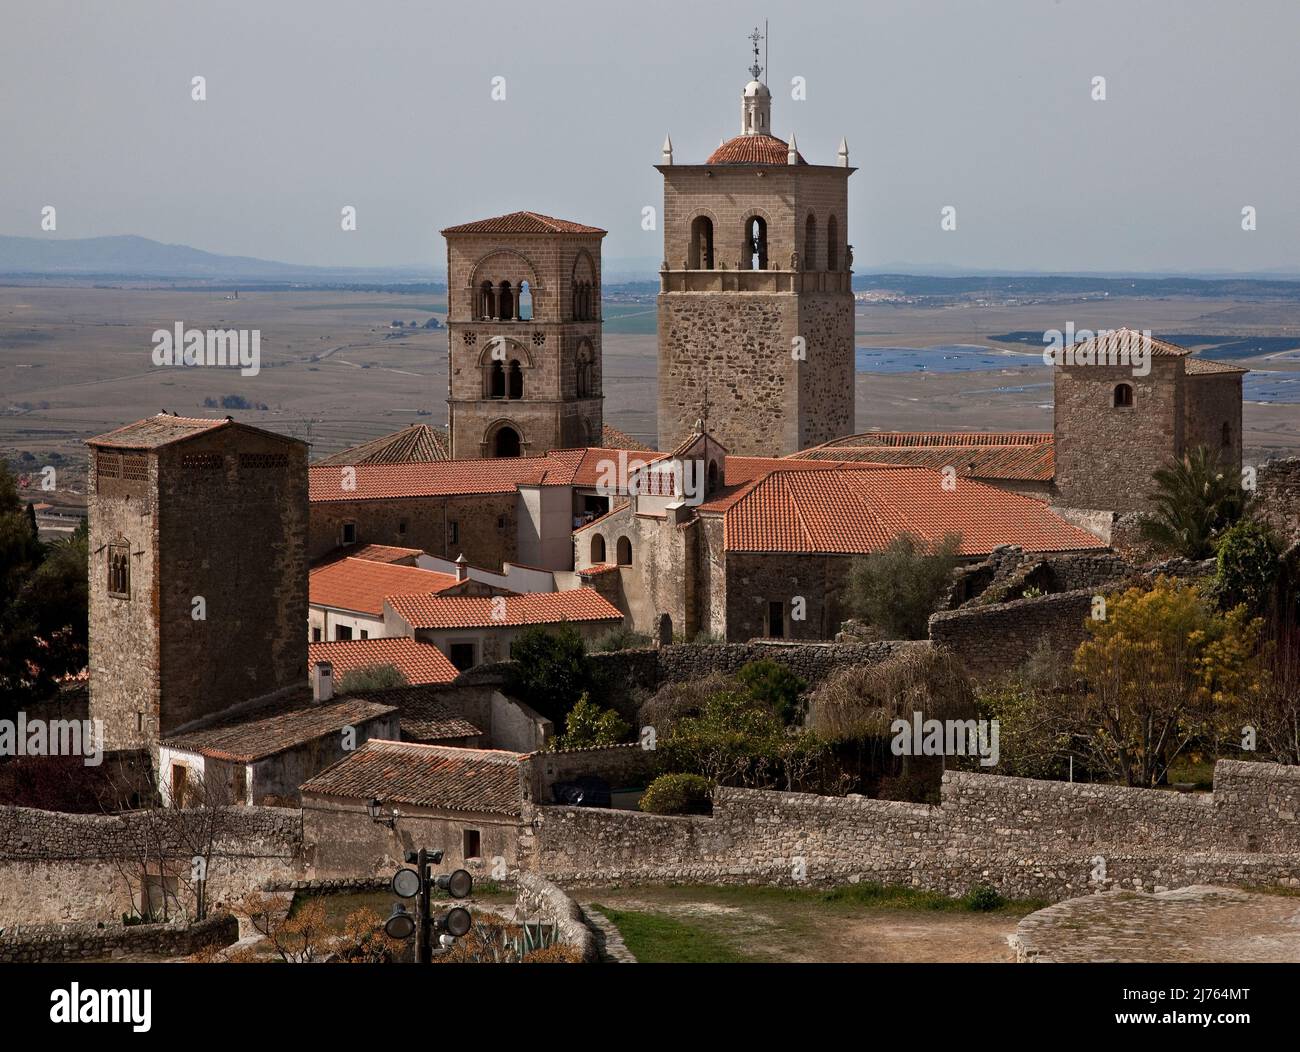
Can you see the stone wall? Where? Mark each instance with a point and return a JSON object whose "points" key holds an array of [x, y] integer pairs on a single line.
{"points": [[537, 899], [1000, 636], [1277, 496], [45, 944], [1029, 839], [57, 867]]}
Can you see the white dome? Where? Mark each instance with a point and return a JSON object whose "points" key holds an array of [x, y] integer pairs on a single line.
{"points": [[756, 88]]}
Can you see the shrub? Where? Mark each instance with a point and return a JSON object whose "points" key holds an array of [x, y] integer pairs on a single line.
{"points": [[1246, 566], [678, 794], [621, 638], [775, 686], [372, 677], [1195, 499], [983, 898], [897, 589], [676, 701], [588, 726], [549, 670]]}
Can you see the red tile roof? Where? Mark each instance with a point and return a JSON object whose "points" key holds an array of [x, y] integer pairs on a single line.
{"points": [[162, 430], [379, 553], [252, 736], [753, 149], [1119, 340], [522, 223], [1206, 367], [425, 717], [863, 510], [417, 444], [612, 438], [363, 584], [419, 662], [439, 776], [482, 611], [1024, 455]]}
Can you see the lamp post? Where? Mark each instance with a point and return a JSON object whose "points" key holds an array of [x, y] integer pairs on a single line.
{"points": [[416, 883]]}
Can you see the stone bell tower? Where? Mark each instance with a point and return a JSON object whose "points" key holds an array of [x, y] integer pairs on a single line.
{"points": [[755, 298]]}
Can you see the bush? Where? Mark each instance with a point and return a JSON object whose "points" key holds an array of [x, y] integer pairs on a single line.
{"points": [[550, 671], [897, 589], [588, 726], [1246, 566], [775, 686], [372, 677], [983, 898], [621, 638], [678, 794], [676, 701]]}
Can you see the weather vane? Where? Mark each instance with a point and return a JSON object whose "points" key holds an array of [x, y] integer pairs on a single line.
{"points": [[755, 69]]}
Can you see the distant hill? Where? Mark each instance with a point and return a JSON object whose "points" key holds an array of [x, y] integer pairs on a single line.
{"points": [[126, 256]]}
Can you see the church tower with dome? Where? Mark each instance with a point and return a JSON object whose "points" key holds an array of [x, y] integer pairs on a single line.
{"points": [[755, 299]]}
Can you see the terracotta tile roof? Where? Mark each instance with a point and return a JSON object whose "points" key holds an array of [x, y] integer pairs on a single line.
{"points": [[1118, 340], [1025, 455], [1206, 367], [597, 569], [417, 444], [862, 510], [439, 776], [753, 149], [250, 737], [156, 431], [379, 553], [482, 611], [425, 717], [522, 223], [362, 584], [419, 662], [612, 438]]}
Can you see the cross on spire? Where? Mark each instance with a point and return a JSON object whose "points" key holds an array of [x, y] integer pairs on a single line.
{"points": [[755, 70]]}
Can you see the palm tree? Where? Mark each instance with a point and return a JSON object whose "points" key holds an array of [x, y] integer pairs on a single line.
{"points": [[1195, 499]]}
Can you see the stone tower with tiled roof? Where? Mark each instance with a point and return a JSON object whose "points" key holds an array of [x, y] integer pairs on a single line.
{"points": [[755, 301], [198, 573], [523, 336]]}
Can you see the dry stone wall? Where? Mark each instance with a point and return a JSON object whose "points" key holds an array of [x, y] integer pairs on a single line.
{"points": [[92, 942]]}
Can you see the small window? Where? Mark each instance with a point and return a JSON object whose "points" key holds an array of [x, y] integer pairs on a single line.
{"points": [[342, 631], [453, 532], [462, 655], [349, 533], [365, 633], [401, 527], [501, 522], [315, 635], [239, 784], [473, 844], [624, 549], [139, 722], [776, 620], [1226, 437], [1123, 396], [119, 570]]}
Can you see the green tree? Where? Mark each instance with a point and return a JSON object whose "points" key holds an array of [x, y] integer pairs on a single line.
{"points": [[588, 726], [549, 670], [43, 604], [775, 686], [897, 589], [1195, 499], [1247, 566], [372, 677]]}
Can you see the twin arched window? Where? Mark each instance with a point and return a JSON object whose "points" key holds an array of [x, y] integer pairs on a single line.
{"points": [[583, 301], [583, 370], [499, 302], [505, 379], [119, 569]]}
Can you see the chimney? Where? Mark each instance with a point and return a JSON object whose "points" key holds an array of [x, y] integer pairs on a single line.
{"points": [[462, 567], [322, 681]]}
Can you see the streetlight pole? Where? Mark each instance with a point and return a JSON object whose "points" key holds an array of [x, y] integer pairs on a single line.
{"points": [[423, 951]]}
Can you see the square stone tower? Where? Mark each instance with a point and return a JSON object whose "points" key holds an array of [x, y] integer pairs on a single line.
{"points": [[523, 336], [755, 301], [198, 572], [1114, 424]]}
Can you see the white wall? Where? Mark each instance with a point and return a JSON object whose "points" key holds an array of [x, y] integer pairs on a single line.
{"points": [[328, 618]]}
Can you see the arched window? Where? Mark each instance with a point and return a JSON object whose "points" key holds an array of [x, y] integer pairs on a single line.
{"points": [[832, 244], [119, 569], [810, 243], [582, 369], [755, 257], [516, 386], [506, 442], [1123, 396], [713, 475], [1226, 437], [701, 257], [496, 380], [507, 302], [597, 549], [525, 302], [624, 552], [486, 301]]}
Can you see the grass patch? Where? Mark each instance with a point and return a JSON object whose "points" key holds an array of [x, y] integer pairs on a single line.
{"points": [[655, 939]]}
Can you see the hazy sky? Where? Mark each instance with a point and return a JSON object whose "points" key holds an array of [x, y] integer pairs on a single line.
{"points": [[986, 106]]}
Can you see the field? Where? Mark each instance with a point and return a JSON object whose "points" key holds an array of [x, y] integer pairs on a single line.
{"points": [[75, 362]]}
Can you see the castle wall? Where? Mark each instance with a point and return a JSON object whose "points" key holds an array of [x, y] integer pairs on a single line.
{"points": [[1212, 401]]}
